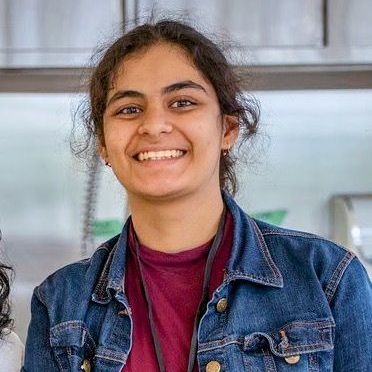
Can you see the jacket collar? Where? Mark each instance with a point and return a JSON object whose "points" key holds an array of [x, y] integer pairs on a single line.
{"points": [[113, 273], [250, 258]]}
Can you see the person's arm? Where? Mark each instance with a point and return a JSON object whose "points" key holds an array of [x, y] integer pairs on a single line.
{"points": [[38, 354], [352, 310], [11, 352]]}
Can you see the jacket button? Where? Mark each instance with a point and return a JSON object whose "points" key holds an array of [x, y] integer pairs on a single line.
{"points": [[85, 366], [221, 305], [293, 359], [123, 312], [213, 366]]}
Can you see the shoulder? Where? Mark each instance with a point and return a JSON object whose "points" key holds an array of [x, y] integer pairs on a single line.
{"points": [[300, 240], [11, 352], [75, 279], [297, 255], [312, 253]]}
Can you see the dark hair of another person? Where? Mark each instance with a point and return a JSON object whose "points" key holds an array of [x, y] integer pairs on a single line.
{"points": [[5, 320], [208, 59]]}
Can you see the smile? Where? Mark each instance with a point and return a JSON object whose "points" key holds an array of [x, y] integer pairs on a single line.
{"points": [[159, 155]]}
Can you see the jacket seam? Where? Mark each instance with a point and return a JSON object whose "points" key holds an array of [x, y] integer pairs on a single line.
{"points": [[337, 275], [70, 324], [268, 361], [302, 235], [299, 347], [250, 276], [266, 252], [218, 345], [288, 232], [300, 324], [91, 258], [39, 296], [111, 357], [101, 286]]}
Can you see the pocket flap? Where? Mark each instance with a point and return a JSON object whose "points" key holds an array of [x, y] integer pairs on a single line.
{"points": [[71, 333], [297, 337]]}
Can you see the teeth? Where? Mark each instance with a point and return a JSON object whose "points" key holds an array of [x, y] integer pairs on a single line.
{"points": [[157, 155]]}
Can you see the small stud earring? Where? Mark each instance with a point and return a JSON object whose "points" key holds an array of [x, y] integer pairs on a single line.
{"points": [[107, 164], [225, 152]]}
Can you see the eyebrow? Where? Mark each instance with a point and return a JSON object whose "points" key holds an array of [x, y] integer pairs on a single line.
{"points": [[182, 85], [166, 90]]}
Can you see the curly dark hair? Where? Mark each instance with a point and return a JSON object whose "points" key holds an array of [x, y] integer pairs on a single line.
{"points": [[208, 59], [5, 320]]}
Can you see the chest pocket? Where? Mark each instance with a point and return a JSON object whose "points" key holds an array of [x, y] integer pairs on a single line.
{"points": [[297, 346], [72, 344]]}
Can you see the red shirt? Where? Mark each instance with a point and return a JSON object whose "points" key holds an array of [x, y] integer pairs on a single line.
{"points": [[174, 283]]}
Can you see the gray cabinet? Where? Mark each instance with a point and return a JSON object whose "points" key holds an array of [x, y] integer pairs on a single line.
{"points": [[279, 32], [54, 33], [254, 23]]}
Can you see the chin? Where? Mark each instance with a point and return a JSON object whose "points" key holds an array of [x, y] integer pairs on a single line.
{"points": [[160, 192], [163, 195]]}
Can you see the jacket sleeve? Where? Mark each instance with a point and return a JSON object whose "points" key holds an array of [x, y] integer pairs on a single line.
{"points": [[352, 310], [38, 354]]}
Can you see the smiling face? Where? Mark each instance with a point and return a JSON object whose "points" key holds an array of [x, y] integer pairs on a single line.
{"points": [[163, 129]]}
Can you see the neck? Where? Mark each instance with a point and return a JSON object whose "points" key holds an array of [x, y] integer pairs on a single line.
{"points": [[176, 225]]}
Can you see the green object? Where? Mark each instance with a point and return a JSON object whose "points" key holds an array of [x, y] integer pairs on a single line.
{"points": [[106, 228], [275, 217]]}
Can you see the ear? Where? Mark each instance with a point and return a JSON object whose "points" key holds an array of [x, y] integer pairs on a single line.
{"points": [[102, 150], [230, 131]]}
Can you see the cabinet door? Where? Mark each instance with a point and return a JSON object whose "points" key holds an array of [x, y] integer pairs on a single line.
{"points": [[54, 33], [351, 22], [254, 23], [278, 32]]}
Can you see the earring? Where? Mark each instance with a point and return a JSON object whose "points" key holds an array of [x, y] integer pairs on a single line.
{"points": [[107, 164], [225, 152]]}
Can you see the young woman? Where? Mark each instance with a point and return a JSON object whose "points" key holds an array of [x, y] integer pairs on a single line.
{"points": [[11, 347], [192, 282]]}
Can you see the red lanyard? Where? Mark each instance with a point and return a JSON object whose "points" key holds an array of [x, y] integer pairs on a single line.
{"points": [[202, 305]]}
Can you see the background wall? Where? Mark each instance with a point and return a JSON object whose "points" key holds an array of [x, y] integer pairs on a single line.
{"points": [[313, 144], [318, 143]]}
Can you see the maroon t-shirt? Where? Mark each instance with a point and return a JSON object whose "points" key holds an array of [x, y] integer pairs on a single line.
{"points": [[174, 282]]}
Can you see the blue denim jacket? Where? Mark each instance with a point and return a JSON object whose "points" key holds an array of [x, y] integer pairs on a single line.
{"points": [[295, 302]]}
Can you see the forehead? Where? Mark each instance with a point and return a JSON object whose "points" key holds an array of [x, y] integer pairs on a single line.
{"points": [[156, 66]]}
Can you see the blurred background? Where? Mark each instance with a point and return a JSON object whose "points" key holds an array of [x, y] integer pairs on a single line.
{"points": [[308, 62]]}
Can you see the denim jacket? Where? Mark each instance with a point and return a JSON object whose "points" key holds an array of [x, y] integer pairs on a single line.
{"points": [[295, 302]]}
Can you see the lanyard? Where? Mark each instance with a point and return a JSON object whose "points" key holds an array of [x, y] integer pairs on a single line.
{"points": [[202, 305]]}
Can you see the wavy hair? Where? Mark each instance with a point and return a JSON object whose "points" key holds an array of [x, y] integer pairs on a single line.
{"points": [[5, 321], [208, 58]]}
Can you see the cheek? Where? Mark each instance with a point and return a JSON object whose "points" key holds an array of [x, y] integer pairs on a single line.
{"points": [[116, 137], [211, 136], [208, 127]]}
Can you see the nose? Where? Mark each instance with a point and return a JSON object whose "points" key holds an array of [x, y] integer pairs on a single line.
{"points": [[155, 122]]}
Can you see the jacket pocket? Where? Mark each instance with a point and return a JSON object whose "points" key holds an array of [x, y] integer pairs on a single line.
{"points": [[72, 344], [296, 346]]}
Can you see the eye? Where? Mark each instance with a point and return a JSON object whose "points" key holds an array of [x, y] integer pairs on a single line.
{"points": [[182, 103], [130, 110]]}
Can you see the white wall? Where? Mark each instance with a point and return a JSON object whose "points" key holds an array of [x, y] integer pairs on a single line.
{"points": [[316, 144]]}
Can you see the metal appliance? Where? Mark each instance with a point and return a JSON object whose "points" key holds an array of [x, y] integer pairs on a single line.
{"points": [[352, 225]]}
